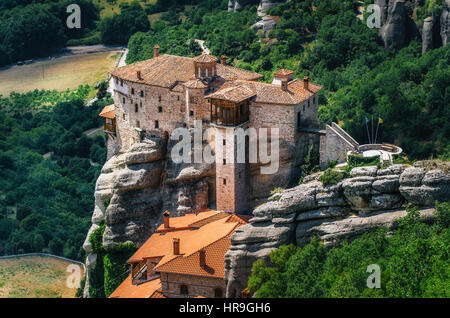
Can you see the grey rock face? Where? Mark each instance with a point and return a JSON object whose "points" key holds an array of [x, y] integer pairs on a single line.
{"points": [[429, 24], [368, 199], [236, 5], [445, 23], [266, 24], [393, 31], [332, 232], [266, 5]]}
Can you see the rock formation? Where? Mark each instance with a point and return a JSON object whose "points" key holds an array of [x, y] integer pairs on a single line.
{"points": [[445, 23], [266, 24], [265, 5], [368, 199], [136, 186], [236, 5]]}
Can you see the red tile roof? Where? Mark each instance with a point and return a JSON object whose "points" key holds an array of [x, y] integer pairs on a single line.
{"points": [[148, 289], [205, 58], [108, 112], [165, 70], [267, 93]]}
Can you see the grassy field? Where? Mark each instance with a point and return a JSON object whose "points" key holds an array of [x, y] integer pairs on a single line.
{"points": [[59, 74], [34, 277]]}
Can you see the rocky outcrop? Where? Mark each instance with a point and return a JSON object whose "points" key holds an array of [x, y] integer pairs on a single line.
{"points": [[188, 187], [236, 5], [136, 186], [265, 5], [393, 32], [430, 34], [445, 23], [266, 24], [367, 199]]}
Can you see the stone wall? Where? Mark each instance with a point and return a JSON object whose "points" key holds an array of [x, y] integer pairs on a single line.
{"points": [[368, 199], [197, 286]]}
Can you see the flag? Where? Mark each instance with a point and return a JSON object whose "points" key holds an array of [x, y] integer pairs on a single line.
{"points": [[380, 120]]}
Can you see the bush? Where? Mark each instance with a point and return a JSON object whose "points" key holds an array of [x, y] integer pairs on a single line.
{"points": [[357, 160], [331, 176]]}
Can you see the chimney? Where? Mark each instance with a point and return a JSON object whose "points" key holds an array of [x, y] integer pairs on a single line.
{"points": [[305, 82], [284, 84], [202, 257], [156, 50], [223, 60], [166, 219], [138, 74], [176, 246]]}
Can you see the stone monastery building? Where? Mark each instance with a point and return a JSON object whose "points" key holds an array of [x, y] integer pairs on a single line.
{"points": [[166, 92]]}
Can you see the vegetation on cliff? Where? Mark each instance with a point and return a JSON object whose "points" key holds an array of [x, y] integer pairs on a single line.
{"points": [[413, 262]]}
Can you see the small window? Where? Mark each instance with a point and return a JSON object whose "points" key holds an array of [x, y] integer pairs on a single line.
{"points": [[224, 181], [142, 93], [183, 290], [159, 109], [308, 103], [224, 161], [178, 97], [123, 100], [136, 108], [191, 113], [132, 91], [224, 142], [121, 83], [138, 124], [116, 80], [123, 116], [159, 98], [156, 124], [218, 293]]}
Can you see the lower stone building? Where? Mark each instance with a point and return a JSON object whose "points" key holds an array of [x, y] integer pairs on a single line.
{"points": [[183, 259]]}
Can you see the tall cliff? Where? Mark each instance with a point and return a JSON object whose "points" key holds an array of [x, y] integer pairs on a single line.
{"points": [[368, 199], [400, 24]]}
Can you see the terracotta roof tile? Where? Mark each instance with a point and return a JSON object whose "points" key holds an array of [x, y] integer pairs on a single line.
{"points": [[205, 58], [283, 72], [268, 93], [197, 83], [108, 112], [233, 93], [144, 290], [165, 70], [160, 244]]}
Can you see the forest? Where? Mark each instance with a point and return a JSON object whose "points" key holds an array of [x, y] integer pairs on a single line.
{"points": [[48, 169], [413, 262]]}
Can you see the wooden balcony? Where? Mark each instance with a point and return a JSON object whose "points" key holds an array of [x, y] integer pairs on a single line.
{"points": [[226, 113]]}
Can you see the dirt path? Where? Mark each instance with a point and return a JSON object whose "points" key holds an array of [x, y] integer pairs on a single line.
{"points": [[203, 46]]}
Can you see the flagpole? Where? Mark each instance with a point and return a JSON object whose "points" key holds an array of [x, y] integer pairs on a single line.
{"points": [[367, 127], [376, 133], [372, 128]]}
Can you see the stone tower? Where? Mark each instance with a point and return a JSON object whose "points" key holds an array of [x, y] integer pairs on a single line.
{"points": [[231, 173]]}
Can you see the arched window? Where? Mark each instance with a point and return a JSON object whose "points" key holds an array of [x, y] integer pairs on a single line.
{"points": [[218, 293], [183, 290]]}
